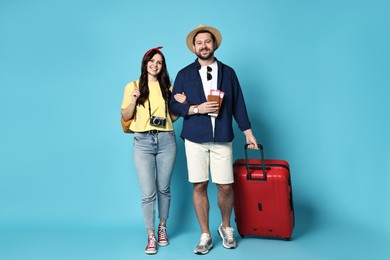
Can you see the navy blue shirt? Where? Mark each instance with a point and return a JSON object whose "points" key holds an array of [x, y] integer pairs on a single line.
{"points": [[197, 128]]}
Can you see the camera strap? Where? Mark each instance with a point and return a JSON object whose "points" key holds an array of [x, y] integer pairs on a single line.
{"points": [[166, 110]]}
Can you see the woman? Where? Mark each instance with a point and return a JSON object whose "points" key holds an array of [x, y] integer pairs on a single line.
{"points": [[146, 100]]}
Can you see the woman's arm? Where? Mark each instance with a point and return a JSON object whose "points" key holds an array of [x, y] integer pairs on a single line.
{"points": [[128, 112], [181, 98]]}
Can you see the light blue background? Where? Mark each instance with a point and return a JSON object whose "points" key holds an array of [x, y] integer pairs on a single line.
{"points": [[316, 79]]}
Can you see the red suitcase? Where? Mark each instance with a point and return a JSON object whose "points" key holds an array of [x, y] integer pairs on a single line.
{"points": [[263, 204]]}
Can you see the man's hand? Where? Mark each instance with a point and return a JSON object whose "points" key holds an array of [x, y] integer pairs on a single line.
{"points": [[208, 107], [251, 140]]}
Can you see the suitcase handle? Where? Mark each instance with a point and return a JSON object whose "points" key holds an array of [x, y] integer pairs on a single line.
{"points": [[248, 175]]}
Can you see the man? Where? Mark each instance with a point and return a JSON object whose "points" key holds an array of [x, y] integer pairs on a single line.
{"points": [[208, 138]]}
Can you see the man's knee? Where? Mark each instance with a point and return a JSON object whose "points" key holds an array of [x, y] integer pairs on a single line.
{"points": [[200, 187], [225, 188]]}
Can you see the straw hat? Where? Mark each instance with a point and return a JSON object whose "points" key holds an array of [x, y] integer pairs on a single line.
{"points": [[202, 27]]}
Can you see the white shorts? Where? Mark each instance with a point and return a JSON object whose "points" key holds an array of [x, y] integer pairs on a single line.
{"points": [[218, 157]]}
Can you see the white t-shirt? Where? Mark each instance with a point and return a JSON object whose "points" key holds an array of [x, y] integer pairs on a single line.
{"points": [[209, 84]]}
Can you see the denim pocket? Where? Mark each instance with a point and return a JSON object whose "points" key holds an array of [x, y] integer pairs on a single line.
{"points": [[140, 136]]}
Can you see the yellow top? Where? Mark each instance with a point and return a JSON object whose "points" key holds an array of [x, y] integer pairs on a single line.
{"points": [[141, 123]]}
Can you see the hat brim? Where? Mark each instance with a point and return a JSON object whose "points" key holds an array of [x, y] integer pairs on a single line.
{"points": [[215, 32]]}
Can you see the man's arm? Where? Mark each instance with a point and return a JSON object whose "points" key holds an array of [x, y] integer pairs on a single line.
{"points": [[177, 108]]}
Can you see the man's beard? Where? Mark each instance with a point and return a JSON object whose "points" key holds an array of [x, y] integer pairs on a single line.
{"points": [[211, 54]]}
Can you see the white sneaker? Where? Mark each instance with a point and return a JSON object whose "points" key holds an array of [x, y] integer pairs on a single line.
{"points": [[228, 240], [205, 244]]}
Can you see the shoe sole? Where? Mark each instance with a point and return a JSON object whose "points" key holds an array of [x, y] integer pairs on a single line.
{"points": [[150, 252], [163, 243], [223, 243], [205, 252]]}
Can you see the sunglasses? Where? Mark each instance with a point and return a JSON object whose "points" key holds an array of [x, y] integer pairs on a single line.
{"points": [[209, 76]]}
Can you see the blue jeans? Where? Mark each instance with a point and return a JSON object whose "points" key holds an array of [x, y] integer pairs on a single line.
{"points": [[154, 157]]}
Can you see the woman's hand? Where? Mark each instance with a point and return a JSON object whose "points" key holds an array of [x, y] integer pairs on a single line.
{"points": [[135, 95], [181, 98]]}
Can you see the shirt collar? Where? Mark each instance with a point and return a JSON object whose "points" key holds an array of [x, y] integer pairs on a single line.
{"points": [[197, 64]]}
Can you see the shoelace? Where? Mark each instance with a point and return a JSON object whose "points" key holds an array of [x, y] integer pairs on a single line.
{"points": [[203, 240], [229, 233], [162, 233], [152, 242]]}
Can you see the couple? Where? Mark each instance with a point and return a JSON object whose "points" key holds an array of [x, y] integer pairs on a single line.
{"points": [[155, 105]]}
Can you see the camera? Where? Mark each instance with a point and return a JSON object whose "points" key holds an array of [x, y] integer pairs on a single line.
{"points": [[158, 121]]}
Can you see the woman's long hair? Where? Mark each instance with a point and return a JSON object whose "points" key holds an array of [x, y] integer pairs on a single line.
{"points": [[162, 77]]}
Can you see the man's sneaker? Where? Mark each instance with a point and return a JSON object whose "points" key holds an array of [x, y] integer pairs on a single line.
{"points": [[205, 244], [228, 240], [162, 236], [151, 247]]}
